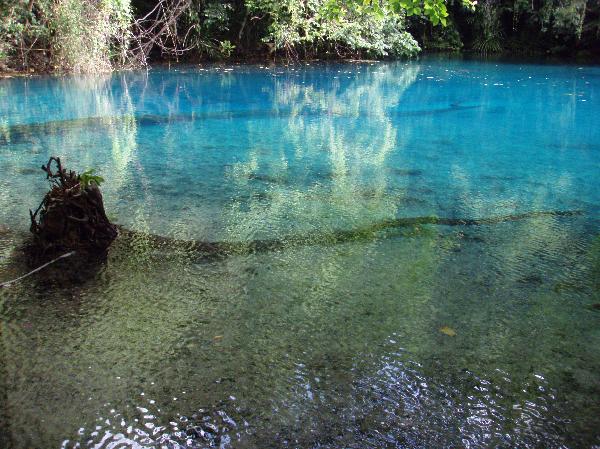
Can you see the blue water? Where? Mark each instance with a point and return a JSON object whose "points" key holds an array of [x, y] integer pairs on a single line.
{"points": [[351, 332]]}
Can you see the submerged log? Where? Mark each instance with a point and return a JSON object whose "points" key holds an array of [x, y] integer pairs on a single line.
{"points": [[71, 216], [208, 250], [60, 271], [71, 223]]}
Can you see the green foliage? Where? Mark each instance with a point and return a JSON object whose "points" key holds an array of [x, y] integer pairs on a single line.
{"points": [[317, 27], [24, 32], [434, 10], [209, 24], [445, 38], [568, 17], [101, 35], [226, 48], [488, 32], [87, 178], [77, 35], [545, 25], [89, 35]]}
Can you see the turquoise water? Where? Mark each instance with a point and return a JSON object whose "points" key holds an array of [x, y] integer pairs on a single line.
{"points": [[411, 258]]}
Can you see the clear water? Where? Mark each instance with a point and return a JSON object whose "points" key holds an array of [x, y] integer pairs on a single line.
{"points": [[334, 337]]}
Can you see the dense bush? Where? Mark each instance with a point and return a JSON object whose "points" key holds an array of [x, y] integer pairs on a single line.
{"points": [[74, 35], [524, 26], [24, 33], [89, 35], [312, 28]]}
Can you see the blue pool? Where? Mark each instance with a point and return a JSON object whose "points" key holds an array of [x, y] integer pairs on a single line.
{"points": [[415, 258]]}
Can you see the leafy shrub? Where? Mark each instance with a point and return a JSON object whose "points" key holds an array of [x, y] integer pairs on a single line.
{"points": [[24, 32], [314, 27], [488, 37], [90, 36], [87, 178], [73, 35], [208, 25]]}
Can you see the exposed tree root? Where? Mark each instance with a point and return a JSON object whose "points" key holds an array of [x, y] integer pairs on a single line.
{"points": [[71, 216]]}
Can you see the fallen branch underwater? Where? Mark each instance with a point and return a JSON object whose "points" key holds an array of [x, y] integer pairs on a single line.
{"points": [[25, 133], [14, 281], [71, 217], [220, 249]]}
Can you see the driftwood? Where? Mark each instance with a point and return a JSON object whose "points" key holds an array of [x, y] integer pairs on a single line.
{"points": [[71, 216]]}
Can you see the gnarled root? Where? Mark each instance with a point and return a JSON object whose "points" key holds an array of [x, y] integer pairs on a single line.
{"points": [[71, 216]]}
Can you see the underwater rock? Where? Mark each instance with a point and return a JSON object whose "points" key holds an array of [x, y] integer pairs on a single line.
{"points": [[562, 287], [27, 171], [268, 179]]}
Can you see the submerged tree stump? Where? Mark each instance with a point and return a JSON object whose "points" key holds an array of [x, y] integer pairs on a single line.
{"points": [[71, 215]]}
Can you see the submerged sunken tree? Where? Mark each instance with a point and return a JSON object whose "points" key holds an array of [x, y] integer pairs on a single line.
{"points": [[71, 216]]}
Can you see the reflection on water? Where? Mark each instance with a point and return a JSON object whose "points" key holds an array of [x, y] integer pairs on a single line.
{"points": [[357, 209]]}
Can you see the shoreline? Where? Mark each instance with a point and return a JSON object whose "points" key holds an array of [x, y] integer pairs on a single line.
{"points": [[451, 55]]}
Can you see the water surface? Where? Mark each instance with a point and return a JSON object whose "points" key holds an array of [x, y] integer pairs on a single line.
{"points": [[400, 203]]}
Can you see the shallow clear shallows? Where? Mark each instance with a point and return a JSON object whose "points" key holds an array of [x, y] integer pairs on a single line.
{"points": [[405, 255]]}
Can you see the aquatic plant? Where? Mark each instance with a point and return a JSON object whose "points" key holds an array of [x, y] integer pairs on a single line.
{"points": [[87, 178]]}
